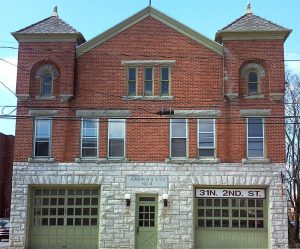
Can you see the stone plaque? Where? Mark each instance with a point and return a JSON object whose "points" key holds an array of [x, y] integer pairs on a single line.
{"points": [[147, 181], [230, 193]]}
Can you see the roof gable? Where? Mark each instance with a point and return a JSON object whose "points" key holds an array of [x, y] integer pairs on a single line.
{"points": [[149, 11]]}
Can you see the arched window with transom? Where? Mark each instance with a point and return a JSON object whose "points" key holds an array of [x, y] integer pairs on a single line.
{"points": [[46, 74]]}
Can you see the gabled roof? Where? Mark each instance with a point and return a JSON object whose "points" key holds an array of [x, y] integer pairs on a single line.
{"points": [[49, 27], [150, 11], [258, 26]]}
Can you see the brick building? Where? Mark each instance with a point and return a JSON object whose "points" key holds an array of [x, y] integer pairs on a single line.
{"points": [[6, 168], [96, 166]]}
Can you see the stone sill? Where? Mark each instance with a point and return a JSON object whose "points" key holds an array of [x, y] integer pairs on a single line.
{"points": [[256, 161], [254, 96], [41, 160], [45, 98], [193, 160], [101, 160], [158, 98]]}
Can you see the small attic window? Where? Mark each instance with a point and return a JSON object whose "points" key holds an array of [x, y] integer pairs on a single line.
{"points": [[46, 74]]}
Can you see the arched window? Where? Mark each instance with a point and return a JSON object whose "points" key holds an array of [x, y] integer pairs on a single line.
{"points": [[252, 73], [253, 83], [46, 74], [46, 85]]}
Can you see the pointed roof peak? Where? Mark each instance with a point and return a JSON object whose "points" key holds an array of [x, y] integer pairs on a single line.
{"points": [[55, 13], [248, 9]]}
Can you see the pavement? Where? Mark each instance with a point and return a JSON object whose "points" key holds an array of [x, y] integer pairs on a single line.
{"points": [[4, 244]]}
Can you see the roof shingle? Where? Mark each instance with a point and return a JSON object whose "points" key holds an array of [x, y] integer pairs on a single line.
{"points": [[52, 24]]}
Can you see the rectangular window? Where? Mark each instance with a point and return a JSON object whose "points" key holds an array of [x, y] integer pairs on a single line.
{"points": [[206, 137], [233, 213], [255, 138], [164, 81], [132, 81], [89, 138], [116, 138], [148, 81], [178, 138], [42, 138]]}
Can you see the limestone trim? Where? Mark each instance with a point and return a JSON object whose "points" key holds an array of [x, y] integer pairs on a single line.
{"points": [[148, 98], [102, 113], [40, 160], [251, 66], [231, 96], [193, 161], [22, 97], [277, 96], [256, 161], [255, 112], [36, 112], [65, 98], [52, 37], [149, 62], [197, 113], [149, 11], [254, 96], [45, 98]]}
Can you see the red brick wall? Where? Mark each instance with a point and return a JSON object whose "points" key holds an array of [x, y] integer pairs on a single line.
{"points": [[196, 83], [6, 165]]}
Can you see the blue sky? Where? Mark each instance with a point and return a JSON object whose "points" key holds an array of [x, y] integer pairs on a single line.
{"points": [[92, 17]]}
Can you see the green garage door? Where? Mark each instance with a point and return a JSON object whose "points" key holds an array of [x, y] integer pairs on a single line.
{"points": [[64, 218], [231, 223]]}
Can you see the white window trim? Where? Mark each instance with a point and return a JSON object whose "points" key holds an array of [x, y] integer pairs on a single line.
{"points": [[124, 137], [144, 80], [160, 80], [186, 139], [264, 142], [50, 137], [97, 137], [198, 140], [136, 80]]}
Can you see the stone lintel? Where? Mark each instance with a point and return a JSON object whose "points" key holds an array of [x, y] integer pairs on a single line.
{"points": [[197, 113], [103, 113], [255, 112], [37, 112], [277, 96]]}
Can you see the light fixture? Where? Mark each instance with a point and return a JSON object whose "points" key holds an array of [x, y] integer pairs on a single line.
{"points": [[127, 198], [165, 198]]}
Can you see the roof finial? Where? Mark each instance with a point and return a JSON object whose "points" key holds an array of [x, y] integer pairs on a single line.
{"points": [[249, 11], [54, 13]]}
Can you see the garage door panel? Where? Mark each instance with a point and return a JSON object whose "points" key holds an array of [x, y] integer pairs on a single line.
{"points": [[64, 218]]}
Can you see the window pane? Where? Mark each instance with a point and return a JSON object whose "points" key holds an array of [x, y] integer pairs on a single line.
{"points": [[116, 148], [42, 128], [132, 88], [165, 88], [255, 147], [252, 77], [132, 73], [116, 128], [148, 74], [206, 152], [252, 88], [206, 140], [89, 142], [178, 147], [206, 125], [165, 73], [42, 149], [178, 128], [255, 127], [148, 88], [46, 84]]}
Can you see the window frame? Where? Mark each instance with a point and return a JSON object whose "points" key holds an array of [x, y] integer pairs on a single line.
{"points": [[35, 137], [161, 81], [124, 138], [198, 138], [97, 137], [42, 82], [257, 83], [263, 139], [186, 138], [136, 80], [145, 81]]}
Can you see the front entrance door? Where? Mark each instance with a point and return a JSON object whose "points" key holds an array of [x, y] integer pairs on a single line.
{"points": [[146, 224]]}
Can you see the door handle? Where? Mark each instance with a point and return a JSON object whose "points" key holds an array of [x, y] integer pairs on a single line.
{"points": [[138, 230]]}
